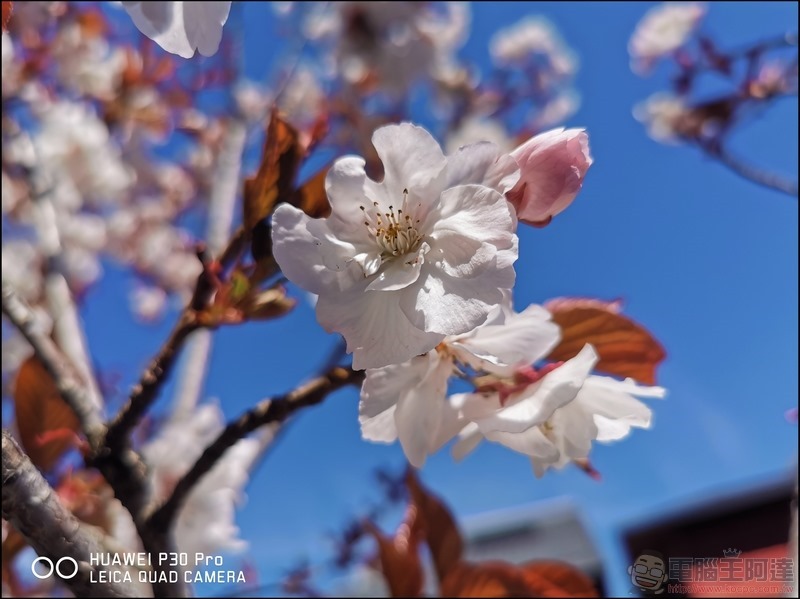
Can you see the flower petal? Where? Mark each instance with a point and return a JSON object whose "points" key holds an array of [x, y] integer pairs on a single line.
{"points": [[541, 400], [531, 442], [180, 27], [468, 439], [309, 255], [375, 328], [419, 411], [482, 163], [552, 166], [345, 186], [412, 160], [478, 212], [522, 339], [453, 306], [460, 256], [399, 274]]}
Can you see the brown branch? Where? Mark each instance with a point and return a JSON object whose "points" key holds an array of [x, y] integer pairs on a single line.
{"points": [[74, 392], [145, 392], [267, 411], [752, 173], [32, 506]]}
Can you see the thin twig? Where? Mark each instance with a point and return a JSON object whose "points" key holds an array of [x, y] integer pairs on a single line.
{"points": [[267, 411], [34, 509], [748, 171], [74, 393], [146, 391]]}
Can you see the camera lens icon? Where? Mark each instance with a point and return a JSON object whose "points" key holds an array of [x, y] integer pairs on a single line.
{"points": [[57, 567]]}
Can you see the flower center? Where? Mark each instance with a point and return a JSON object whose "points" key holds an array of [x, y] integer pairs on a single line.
{"points": [[395, 232]]}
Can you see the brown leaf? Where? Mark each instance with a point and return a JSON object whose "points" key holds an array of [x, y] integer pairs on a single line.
{"points": [[487, 579], [8, 8], [557, 579], [399, 556], [625, 348], [311, 198], [275, 178], [440, 529], [46, 424], [13, 543]]}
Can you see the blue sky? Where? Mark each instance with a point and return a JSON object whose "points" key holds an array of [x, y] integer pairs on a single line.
{"points": [[705, 260]]}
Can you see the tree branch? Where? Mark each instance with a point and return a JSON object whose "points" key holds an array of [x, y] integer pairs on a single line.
{"points": [[751, 173], [32, 506], [268, 411], [145, 392], [75, 394], [122, 467]]}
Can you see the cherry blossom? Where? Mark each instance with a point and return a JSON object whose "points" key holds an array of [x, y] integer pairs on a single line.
{"points": [[401, 264], [533, 36], [74, 145], [661, 31], [206, 522], [662, 114], [555, 419], [407, 401], [552, 167], [181, 27], [393, 43]]}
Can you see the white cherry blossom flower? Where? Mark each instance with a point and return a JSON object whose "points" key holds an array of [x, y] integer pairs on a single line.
{"points": [[394, 43], [401, 264], [555, 419], [533, 36], [662, 114], [663, 30], [74, 145], [207, 521], [181, 27], [475, 129], [408, 401]]}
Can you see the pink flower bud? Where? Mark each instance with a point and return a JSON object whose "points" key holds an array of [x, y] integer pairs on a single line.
{"points": [[552, 167]]}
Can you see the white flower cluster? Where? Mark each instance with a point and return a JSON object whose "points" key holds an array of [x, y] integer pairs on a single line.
{"points": [[663, 30], [416, 272], [394, 43], [207, 522]]}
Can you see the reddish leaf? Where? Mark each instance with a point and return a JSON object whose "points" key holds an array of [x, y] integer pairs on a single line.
{"points": [[399, 556], [8, 8], [40, 412], [274, 180], [311, 198], [557, 579], [625, 347], [440, 529], [487, 579], [12, 545]]}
